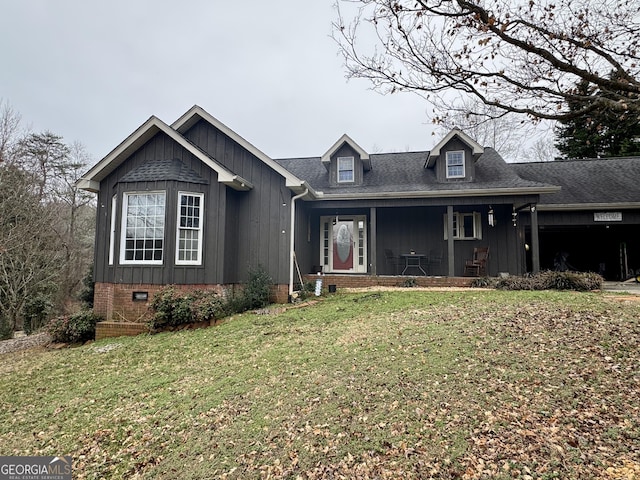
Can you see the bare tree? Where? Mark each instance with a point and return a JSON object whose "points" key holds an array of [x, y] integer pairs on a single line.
{"points": [[46, 222], [46, 157], [9, 131], [514, 138], [519, 56], [542, 150], [487, 129], [75, 214], [30, 259]]}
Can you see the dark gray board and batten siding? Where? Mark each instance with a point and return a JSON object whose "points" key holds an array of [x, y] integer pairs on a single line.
{"points": [[262, 215], [160, 148], [235, 236]]}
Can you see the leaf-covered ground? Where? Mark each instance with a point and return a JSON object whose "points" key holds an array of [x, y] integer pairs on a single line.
{"points": [[406, 384]]}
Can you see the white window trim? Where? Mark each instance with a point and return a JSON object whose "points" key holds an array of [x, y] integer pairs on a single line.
{"points": [[456, 165], [123, 232], [340, 160], [112, 233], [459, 233], [199, 230]]}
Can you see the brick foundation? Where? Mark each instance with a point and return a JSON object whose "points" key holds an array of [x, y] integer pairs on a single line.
{"points": [[115, 301], [280, 293]]}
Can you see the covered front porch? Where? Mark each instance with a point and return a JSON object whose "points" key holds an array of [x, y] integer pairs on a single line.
{"points": [[367, 245]]}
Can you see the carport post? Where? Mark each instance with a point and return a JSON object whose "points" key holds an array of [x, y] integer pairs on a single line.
{"points": [[535, 244]]}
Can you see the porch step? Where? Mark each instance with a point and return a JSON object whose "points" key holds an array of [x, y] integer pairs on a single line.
{"points": [[119, 329]]}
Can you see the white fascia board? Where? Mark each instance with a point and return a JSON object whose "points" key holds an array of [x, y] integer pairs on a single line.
{"points": [[88, 185], [100, 170], [437, 193], [476, 148], [364, 156], [190, 117], [138, 138]]}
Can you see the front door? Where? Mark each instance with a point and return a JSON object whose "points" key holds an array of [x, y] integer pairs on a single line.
{"points": [[343, 244]]}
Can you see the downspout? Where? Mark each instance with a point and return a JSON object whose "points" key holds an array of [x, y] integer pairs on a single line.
{"points": [[292, 253]]}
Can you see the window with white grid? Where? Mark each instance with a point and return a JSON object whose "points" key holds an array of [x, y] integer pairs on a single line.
{"points": [[345, 169], [143, 228], [455, 164], [189, 238]]}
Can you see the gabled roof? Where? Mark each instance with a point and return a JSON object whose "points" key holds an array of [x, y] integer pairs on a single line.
{"points": [[476, 148], [364, 156], [587, 184], [91, 180], [197, 113], [402, 175]]}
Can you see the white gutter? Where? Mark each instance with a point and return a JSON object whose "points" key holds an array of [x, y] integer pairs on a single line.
{"points": [[480, 192], [292, 237]]}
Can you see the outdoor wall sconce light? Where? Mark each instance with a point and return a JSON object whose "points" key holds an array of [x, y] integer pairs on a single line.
{"points": [[491, 217]]}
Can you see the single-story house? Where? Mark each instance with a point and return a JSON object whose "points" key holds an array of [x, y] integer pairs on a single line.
{"points": [[195, 204]]}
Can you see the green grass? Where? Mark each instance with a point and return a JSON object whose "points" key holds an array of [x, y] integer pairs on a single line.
{"points": [[406, 384]]}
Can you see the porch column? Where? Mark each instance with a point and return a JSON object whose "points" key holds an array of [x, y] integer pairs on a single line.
{"points": [[450, 249], [535, 244], [374, 241]]}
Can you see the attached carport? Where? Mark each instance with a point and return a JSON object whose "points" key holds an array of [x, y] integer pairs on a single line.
{"points": [[610, 250], [593, 223]]}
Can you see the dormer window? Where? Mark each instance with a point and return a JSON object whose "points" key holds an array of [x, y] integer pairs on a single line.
{"points": [[345, 170], [455, 164]]}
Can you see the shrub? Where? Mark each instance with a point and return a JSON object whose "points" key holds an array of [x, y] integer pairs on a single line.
{"points": [[36, 310], [206, 306], [88, 288], [75, 328], [169, 308], [258, 288], [483, 282], [6, 331], [172, 308], [514, 283], [255, 294], [409, 283], [550, 280], [568, 281]]}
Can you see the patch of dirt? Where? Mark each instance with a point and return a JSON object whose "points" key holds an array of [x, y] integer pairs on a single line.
{"points": [[626, 298]]}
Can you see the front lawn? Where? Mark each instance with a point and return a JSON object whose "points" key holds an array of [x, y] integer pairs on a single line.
{"points": [[393, 384]]}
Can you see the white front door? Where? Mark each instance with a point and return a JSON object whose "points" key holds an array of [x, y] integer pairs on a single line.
{"points": [[343, 244]]}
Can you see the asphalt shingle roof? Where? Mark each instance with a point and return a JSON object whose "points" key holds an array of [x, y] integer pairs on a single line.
{"points": [[405, 172], [160, 170], [606, 180]]}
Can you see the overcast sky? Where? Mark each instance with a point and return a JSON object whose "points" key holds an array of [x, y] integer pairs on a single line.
{"points": [[95, 71]]}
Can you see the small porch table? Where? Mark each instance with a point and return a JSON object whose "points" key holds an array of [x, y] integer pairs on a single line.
{"points": [[413, 261]]}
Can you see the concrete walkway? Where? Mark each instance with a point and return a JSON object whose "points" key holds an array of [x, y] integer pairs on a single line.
{"points": [[631, 287]]}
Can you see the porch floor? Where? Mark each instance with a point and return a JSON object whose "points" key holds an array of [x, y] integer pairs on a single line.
{"points": [[349, 280]]}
